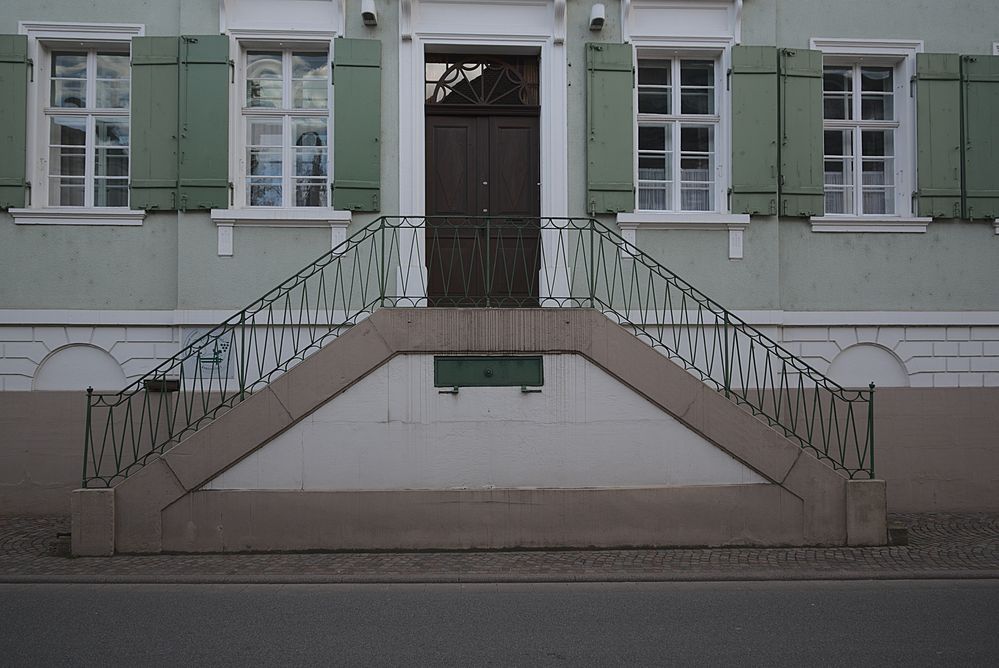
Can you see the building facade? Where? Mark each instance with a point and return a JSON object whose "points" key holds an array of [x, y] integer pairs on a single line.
{"points": [[827, 171]]}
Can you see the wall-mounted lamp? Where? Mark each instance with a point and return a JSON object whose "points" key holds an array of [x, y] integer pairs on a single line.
{"points": [[368, 13], [597, 17]]}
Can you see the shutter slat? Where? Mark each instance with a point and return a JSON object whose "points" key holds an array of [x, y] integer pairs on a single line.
{"points": [[13, 119], [610, 119], [357, 124], [754, 130], [801, 148], [154, 125], [980, 88], [938, 132], [204, 122]]}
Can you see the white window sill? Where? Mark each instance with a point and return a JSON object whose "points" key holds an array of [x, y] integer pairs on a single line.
{"points": [[227, 219], [900, 224], [996, 224], [733, 223], [72, 215], [652, 220]]}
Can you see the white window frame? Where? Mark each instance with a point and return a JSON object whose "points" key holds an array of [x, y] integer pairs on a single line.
{"points": [[901, 55], [239, 212], [43, 39], [675, 120]]}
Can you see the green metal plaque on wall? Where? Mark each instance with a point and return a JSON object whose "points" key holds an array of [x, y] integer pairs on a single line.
{"points": [[488, 371]]}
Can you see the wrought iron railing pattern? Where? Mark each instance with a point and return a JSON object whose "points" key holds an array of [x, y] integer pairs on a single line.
{"points": [[475, 262]]}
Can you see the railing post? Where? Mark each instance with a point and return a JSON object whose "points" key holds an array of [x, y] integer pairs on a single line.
{"points": [[870, 430], [86, 440], [383, 269], [242, 355], [592, 269], [488, 266], [727, 359]]}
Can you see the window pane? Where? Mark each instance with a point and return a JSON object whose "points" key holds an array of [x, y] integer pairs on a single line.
{"points": [[110, 192], [111, 131], [696, 168], [877, 143], [654, 168], [880, 200], [838, 172], [310, 162], [876, 79], [66, 192], [837, 97], [694, 138], [111, 162], [112, 66], [697, 93], [308, 132], [837, 79], [653, 101], [112, 94], [310, 193], [309, 65], [264, 162], [263, 132], [651, 138], [67, 161], [878, 172], [839, 201], [68, 131], [265, 192], [654, 72], [69, 74], [654, 197], [838, 142], [263, 79]]}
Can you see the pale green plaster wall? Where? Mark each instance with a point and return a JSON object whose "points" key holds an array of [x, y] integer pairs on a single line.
{"points": [[954, 26], [161, 17], [89, 267], [954, 266], [701, 258]]}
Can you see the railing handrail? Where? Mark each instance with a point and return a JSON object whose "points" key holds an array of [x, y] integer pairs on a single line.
{"points": [[348, 256]]}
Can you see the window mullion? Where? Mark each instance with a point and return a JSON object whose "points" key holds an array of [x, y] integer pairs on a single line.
{"points": [[675, 108], [858, 158]]}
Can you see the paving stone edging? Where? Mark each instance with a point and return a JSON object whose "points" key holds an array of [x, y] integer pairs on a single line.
{"points": [[941, 546]]}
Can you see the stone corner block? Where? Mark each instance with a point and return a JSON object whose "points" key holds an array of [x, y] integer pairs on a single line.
{"points": [[93, 522], [866, 513]]}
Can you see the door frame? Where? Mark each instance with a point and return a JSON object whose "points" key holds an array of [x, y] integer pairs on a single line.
{"points": [[553, 119]]}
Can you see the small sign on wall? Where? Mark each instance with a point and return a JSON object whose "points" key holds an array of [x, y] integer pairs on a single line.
{"points": [[212, 357]]}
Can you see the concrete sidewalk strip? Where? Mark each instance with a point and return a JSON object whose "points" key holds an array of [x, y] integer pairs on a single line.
{"points": [[941, 546]]}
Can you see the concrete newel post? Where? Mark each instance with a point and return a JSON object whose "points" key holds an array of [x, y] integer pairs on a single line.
{"points": [[866, 513], [93, 522]]}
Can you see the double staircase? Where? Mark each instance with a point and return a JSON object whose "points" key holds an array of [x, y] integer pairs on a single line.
{"points": [[419, 286]]}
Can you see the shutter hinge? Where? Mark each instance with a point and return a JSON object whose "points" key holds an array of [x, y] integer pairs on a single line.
{"points": [[232, 194], [31, 70], [232, 71], [912, 85], [728, 79], [27, 188]]}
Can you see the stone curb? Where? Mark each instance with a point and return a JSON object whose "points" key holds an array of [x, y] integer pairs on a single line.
{"points": [[485, 578]]}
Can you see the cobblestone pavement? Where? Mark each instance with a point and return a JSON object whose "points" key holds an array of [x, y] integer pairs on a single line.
{"points": [[940, 546]]}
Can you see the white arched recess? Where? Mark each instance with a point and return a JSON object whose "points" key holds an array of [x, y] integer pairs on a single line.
{"points": [[531, 26]]}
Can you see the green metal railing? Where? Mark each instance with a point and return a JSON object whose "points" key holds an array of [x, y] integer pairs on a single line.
{"points": [[475, 262]]}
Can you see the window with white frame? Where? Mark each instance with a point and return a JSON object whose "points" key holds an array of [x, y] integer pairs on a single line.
{"points": [[678, 134], [861, 131], [86, 119], [285, 114]]}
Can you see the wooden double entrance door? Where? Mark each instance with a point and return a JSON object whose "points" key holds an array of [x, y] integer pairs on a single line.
{"points": [[483, 245]]}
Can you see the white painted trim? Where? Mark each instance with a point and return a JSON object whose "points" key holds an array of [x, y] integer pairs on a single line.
{"points": [[70, 30], [683, 221], [759, 317], [297, 217], [77, 216], [995, 48], [996, 223], [853, 46], [902, 224], [734, 223], [900, 54], [40, 34], [668, 26], [304, 216]]}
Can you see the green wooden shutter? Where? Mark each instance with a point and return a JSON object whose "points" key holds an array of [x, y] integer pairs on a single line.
{"points": [[754, 129], [610, 120], [13, 119], [153, 182], [938, 134], [801, 179], [204, 122], [357, 77], [980, 84]]}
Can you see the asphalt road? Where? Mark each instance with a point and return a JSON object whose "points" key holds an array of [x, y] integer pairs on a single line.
{"points": [[764, 624]]}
